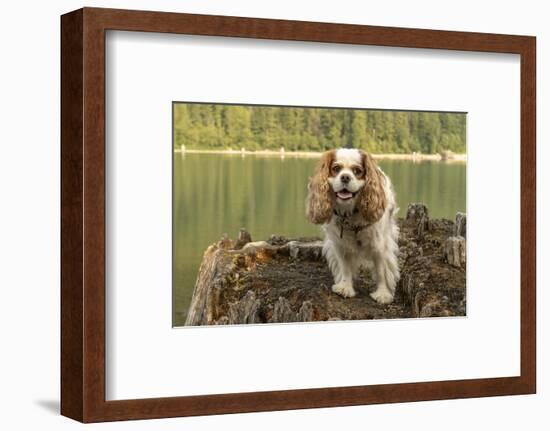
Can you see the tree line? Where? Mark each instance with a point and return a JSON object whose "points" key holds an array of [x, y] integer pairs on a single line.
{"points": [[215, 126]]}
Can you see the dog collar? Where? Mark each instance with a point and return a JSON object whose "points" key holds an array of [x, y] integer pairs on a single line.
{"points": [[344, 223]]}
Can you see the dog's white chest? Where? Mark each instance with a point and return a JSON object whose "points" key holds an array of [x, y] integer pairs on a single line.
{"points": [[352, 234]]}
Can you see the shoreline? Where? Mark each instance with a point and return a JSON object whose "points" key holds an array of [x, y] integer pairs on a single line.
{"points": [[316, 154]]}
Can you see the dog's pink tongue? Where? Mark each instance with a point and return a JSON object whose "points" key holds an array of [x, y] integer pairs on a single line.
{"points": [[344, 194]]}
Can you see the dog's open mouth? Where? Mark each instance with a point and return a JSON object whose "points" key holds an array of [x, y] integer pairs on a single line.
{"points": [[345, 194]]}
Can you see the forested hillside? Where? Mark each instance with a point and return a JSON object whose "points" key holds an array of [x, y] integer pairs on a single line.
{"points": [[214, 126]]}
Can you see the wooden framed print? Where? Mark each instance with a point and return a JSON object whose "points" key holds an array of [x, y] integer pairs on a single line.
{"points": [[266, 215]]}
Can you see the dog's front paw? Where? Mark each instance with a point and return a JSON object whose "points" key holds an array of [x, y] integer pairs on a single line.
{"points": [[344, 289], [382, 295]]}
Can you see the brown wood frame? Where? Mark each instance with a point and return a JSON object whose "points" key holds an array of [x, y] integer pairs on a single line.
{"points": [[83, 214]]}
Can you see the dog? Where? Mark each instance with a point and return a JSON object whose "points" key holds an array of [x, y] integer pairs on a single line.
{"points": [[354, 201]]}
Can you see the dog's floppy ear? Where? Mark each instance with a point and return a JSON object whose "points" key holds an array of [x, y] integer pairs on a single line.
{"points": [[319, 200], [372, 200]]}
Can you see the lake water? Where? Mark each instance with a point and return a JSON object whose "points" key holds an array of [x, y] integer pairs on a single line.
{"points": [[216, 194]]}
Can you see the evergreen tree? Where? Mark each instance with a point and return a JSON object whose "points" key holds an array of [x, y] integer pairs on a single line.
{"points": [[211, 126]]}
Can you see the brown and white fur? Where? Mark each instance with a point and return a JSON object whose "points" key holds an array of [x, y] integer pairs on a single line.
{"points": [[354, 201]]}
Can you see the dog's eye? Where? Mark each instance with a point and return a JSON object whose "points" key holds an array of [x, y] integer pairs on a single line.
{"points": [[336, 169], [357, 171]]}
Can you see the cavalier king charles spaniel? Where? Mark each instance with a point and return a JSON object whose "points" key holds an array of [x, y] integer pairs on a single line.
{"points": [[354, 201]]}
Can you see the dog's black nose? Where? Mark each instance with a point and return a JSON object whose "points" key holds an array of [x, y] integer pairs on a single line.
{"points": [[345, 178]]}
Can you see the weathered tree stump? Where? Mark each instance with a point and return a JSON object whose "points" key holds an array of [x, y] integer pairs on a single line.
{"points": [[416, 212], [417, 215], [460, 224], [455, 251], [288, 280], [243, 239], [245, 310], [308, 250]]}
